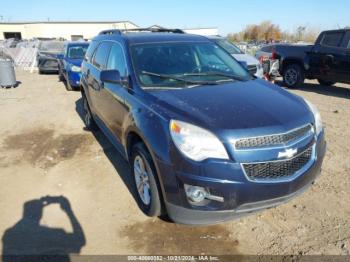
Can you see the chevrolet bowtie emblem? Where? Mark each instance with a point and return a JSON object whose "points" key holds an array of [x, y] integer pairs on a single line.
{"points": [[288, 153]]}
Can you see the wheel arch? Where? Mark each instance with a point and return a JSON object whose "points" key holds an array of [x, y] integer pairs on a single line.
{"points": [[291, 61]]}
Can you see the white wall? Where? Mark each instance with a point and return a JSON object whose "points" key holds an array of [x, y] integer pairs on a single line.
{"points": [[64, 29], [202, 31]]}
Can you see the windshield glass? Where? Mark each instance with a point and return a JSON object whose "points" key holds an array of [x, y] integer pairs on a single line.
{"points": [[77, 52], [52, 46], [180, 64], [228, 46]]}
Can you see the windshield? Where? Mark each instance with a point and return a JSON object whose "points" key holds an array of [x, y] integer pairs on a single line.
{"points": [[182, 64], [77, 52], [228, 46], [52, 46]]}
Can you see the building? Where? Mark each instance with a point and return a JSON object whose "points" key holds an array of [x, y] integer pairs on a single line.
{"points": [[66, 30], [210, 31], [74, 30]]}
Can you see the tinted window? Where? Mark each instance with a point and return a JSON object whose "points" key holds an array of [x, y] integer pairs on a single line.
{"points": [[116, 60], [101, 55], [90, 51], [332, 39]]}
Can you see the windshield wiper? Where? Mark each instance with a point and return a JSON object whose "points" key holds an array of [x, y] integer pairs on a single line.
{"points": [[213, 73], [179, 79]]}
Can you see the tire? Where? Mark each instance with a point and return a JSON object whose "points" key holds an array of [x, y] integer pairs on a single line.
{"points": [[293, 75], [61, 76], [148, 197], [325, 82], [68, 86], [87, 115]]}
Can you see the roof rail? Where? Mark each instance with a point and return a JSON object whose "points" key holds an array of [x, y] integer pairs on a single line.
{"points": [[111, 32], [155, 30]]}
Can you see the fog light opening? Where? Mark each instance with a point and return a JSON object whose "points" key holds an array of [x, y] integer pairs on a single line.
{"points": [[195, 194]]}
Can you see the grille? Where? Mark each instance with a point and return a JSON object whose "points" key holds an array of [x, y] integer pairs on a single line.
{"points": [[252, 69], [273, 140], [278, 169]]}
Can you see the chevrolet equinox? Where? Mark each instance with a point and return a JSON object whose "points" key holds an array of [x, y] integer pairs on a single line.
{"points": [[206, 140]]}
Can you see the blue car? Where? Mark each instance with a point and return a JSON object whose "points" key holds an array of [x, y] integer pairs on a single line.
{"points": [[70, 63], [206, 140]]}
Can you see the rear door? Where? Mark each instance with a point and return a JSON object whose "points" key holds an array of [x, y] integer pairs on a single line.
{"points": [[113, 95], [327, 56]]}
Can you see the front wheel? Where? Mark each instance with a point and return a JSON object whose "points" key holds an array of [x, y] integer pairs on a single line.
{"points": [[146, 186], [325, 82], [293, 75]]}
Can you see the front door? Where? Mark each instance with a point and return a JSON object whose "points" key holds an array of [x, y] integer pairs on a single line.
{"points": [[113, 95]]}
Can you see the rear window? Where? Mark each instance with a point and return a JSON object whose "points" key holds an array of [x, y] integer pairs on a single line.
{"points": [[332, 39], [90, 51], [101, 56], [51, 46], [346, 41]]}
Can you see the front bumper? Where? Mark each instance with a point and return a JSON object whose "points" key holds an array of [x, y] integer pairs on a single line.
{"points": [[241, 196], [74, 78]]}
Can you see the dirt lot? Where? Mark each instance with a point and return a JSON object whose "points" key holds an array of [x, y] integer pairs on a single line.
{"points": [[44, 150]]}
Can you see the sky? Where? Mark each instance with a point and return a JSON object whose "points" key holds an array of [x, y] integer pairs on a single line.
{"points": [[228, 15]]}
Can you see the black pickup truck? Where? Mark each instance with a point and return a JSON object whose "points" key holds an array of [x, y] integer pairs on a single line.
{"points": [[328, 60]]}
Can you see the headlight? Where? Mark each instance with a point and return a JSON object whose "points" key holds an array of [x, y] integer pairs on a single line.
{"points": [[75, 68], [317, 116], [196, 143]]}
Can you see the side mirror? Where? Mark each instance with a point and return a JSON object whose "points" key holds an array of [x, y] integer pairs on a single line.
{"points": [[112, 76], [60, 56]]}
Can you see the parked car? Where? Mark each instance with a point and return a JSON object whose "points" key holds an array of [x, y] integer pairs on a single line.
{"points": [[206, 141], [328, 60], [253, 65], [47, 56], [69, 64]]}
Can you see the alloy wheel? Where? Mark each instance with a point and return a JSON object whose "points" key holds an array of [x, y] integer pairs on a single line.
{"points": [[142, 180]]}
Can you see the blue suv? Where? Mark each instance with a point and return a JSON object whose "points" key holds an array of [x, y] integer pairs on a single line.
{"points": [[69, 63], [206, 141]]}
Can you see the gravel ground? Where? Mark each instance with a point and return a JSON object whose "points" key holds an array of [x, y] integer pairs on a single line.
{"points": [[45, 151]]}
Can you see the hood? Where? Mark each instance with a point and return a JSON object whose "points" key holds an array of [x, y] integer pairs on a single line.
{"points": [[250, 60], [254, 104], [76, 62], [48, 54]]}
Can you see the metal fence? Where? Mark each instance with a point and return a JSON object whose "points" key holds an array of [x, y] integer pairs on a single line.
{"points": [[23, 53]]}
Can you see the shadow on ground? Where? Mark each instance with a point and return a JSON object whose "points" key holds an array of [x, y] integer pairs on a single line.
{"points": [[28, 237], [335, 91], [119, 163]]}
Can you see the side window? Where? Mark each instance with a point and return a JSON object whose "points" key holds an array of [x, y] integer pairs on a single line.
{"points": [[101, 55], [346, 41], [116, 60], [90, 51], [267, 49], [332, 39]]}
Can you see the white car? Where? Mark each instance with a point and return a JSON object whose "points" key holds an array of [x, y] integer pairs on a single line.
{"points": [[253, 64]]}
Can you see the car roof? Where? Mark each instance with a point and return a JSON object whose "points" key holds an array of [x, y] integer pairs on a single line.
{"points": [[142, 37], [337, 31], [77, 43]]}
